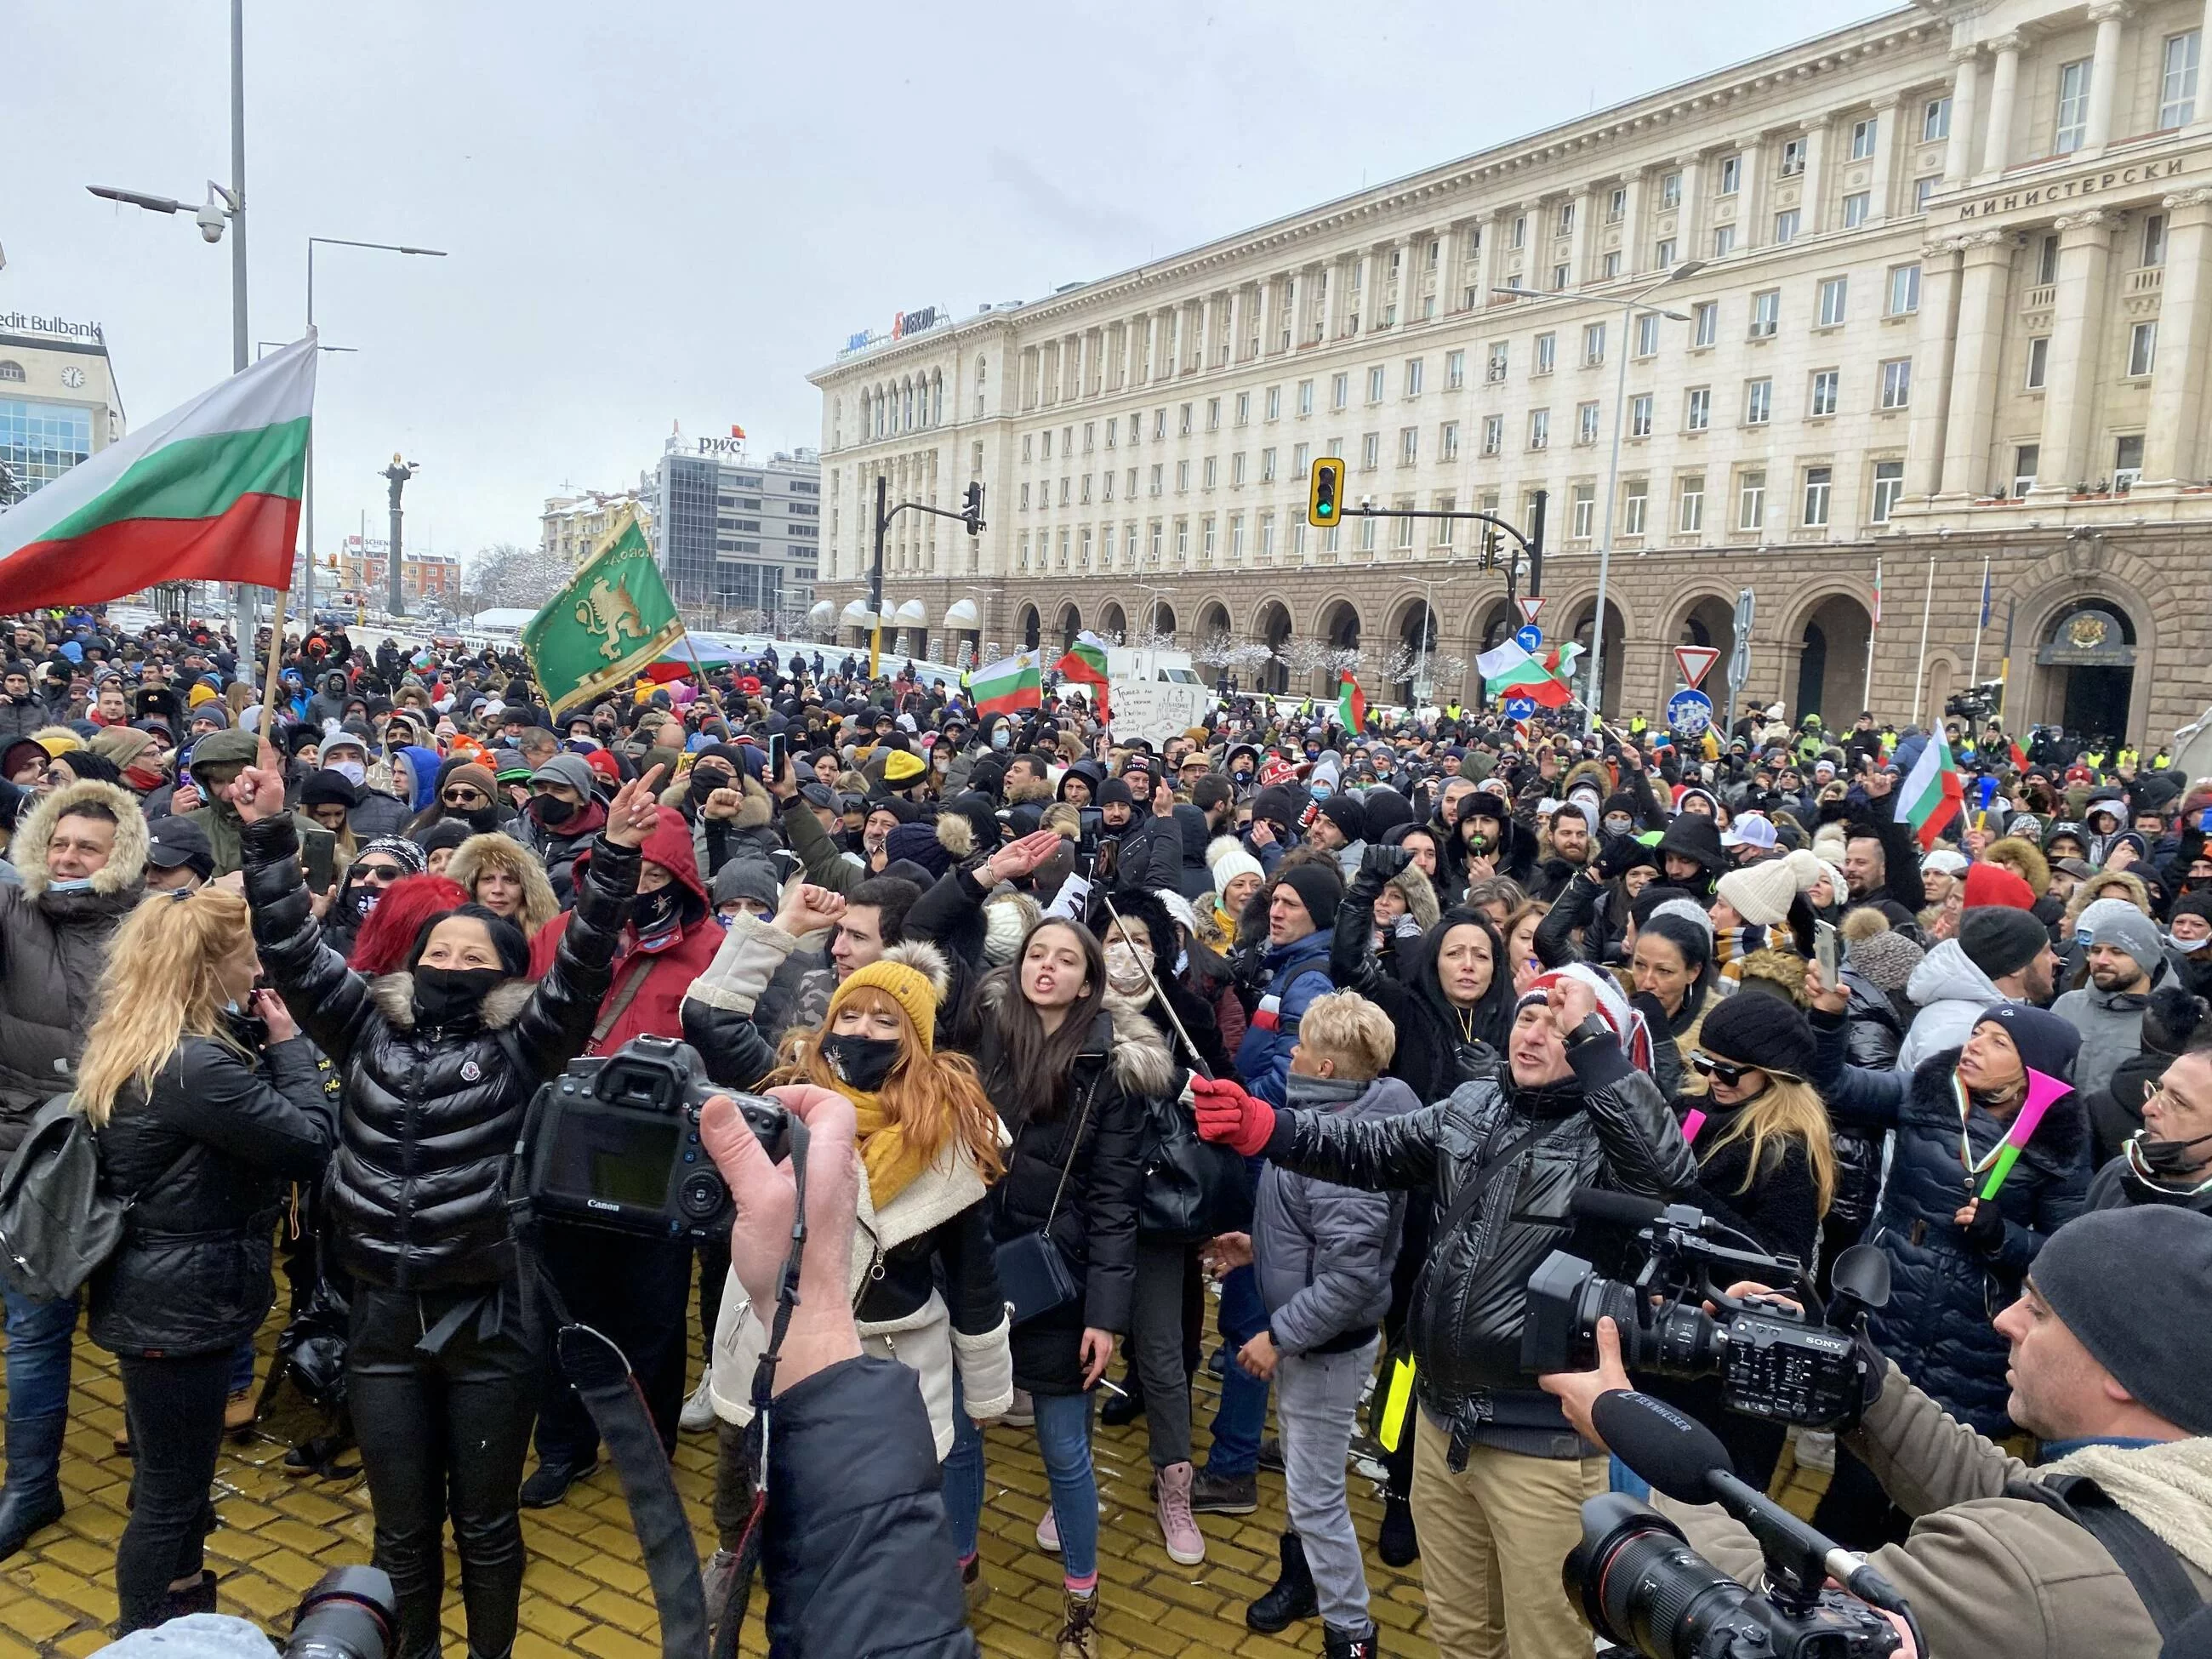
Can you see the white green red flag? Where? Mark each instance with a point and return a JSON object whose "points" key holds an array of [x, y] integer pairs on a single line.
{"points": [[1011, 683], [1510, 671], [1085, 665], [1350, 706], [1932, 794], [209, 492]]}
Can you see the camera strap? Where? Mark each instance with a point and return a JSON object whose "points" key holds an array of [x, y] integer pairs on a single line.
{"points": [[763, 1393], [1471, 1191], [2152, 1566]]}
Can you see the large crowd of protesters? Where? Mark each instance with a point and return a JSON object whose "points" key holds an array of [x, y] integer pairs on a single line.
{"points": [[303, 966]]}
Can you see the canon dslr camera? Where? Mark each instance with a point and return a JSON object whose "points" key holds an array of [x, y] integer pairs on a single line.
{"points": [[614, 1141], [1787, 1365]]}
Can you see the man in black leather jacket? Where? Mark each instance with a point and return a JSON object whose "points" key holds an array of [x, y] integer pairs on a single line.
{"points": [[1499, 1474]]}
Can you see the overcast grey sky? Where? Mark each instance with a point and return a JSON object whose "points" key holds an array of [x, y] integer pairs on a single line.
{"points": [[672, 212]]}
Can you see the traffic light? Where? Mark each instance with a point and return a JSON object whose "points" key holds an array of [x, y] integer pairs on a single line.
{"points": [[973, 510], [1321, 503]]}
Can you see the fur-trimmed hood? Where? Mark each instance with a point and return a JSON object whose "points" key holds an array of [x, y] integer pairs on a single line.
{"points": [[2025, 857], [395, 999], [497, 850], [125, 865], [1419, 894]]}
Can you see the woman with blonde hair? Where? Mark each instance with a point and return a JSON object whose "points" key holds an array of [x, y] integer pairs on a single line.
{"points": [[924, 1278], [506, 878], [206, 1104]]}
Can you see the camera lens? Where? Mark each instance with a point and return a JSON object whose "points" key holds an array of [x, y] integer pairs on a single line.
{"points": [[1682, 1340], [350, 1613], [1639, 1583], [1609, 1299]]}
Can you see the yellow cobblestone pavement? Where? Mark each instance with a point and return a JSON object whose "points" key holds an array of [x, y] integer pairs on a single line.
{"points": [[585, 1590]]}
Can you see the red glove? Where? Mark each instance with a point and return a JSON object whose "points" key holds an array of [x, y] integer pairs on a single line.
{"points": [[1228, 1115]]}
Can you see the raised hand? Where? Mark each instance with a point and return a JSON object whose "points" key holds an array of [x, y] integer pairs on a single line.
{"points": [[809, 910], [1021, 858], [635, 812], [258, 792]]}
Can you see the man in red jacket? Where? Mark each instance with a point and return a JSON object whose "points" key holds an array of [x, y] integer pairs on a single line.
{"points": [[633, 1290]]}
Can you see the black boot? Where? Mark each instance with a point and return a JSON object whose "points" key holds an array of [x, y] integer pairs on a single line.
{"points": [[1340, 1645], [1293, 1596], [1127, 1405], [1397, 1543], [33, 1497], [200, 1598]]}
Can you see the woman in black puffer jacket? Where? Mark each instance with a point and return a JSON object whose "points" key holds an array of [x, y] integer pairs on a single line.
{"points": [[439, 1064], [203, 1121]]}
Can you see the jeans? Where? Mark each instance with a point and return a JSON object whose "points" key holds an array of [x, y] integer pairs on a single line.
{"points": [[39, 1337], [241, 1367], [1316, 1402], [1243, 1411], [439, 1431], [174, 1407], [1063, 1432], [1156, 1350]]}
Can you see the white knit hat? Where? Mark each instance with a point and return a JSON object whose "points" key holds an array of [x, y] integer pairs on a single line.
{"points": [[1761, 892], [1226, 857]]}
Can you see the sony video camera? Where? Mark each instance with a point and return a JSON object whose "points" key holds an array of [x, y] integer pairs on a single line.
{"points": [[614, 1141], [1792, 1365]]}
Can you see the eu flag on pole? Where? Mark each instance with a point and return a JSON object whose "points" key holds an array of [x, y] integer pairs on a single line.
{"points": [[1985, 593]]}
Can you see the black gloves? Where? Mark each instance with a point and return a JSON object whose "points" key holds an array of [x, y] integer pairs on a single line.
{"points": [[1618, 856], [1378, 864], [1985, 1233]]}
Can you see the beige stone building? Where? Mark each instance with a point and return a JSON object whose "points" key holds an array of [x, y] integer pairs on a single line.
{"points": [[572, 525], [1927, 297]]}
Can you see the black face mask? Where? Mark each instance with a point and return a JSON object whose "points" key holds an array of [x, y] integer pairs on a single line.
{"points": [[2170, 1159], [655, 912], [443, 995], [482, 819], [864, 1063], [552, 812], [705, 783], [364, 899]]}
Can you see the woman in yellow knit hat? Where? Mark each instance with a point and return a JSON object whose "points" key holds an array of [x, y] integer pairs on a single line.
{"points": [[930, 1146]]}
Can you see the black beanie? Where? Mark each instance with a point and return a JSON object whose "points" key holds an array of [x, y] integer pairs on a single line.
{"points": [[1767, 1032], [1317, 885], [2123, 1281], [2047, 1043], [2000, 940], [1347, 815]]}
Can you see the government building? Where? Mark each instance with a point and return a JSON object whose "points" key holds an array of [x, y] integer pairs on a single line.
{"points": [[1863, 319]]}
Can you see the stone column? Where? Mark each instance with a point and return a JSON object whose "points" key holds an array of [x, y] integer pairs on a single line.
{"points": [[1298, 303], [1890, 143], [1579, 246], [1752, 227], [1634, 238], [1978, 346], [1689, 217], [1152, 347], [1237, 322], [1412, 261], [2004, 103], [1965, 97], [1208, 330], [1812, 189], [1931, 367], [2109, 17], [2085, 258], [2172, 449]]}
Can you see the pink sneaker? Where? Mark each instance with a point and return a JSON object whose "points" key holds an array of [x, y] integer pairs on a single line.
{"points": [[1047, 1532], [1186, 1545]]}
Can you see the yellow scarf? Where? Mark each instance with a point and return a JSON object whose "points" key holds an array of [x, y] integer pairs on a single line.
{"points": [[893, 1164]]}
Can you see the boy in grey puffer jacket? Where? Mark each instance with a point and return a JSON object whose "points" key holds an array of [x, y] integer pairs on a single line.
{"points": [[1323, 1254]]}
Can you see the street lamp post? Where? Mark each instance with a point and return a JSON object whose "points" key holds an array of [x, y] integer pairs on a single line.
{"points": [[1153, 610], [1630, 305], [307, 504], [1428, 620]]}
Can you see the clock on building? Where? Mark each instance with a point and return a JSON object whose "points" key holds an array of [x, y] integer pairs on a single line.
{"points": [[72, 377]]}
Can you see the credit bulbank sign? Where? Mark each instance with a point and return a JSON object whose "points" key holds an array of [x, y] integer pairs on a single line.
{"points": [[59, 328]]}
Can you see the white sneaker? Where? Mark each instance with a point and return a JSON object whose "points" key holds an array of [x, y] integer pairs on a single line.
{"points": [[698, 1414], [1047, 1532]]}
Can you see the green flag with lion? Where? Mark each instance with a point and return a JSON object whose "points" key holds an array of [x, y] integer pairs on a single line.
{"points": [[598, 634]]}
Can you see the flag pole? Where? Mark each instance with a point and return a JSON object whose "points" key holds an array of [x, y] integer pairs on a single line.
{"points": [[1874, 627], [276, 657], [1920, 674], [1981, 626]]}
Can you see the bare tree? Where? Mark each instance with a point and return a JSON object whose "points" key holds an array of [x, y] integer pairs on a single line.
{"points": [[1215, 650], [507, 574], [1303, 656]]}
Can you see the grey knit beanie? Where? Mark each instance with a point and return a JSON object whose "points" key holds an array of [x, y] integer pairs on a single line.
{"points": [[2123, 1281]]}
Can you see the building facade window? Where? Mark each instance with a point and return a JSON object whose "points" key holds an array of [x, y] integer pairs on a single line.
{"points": [[1904, 290], [2153, 240], [1765, 313], [1413, 371], [1835, 295], [1863, 138], [1723, 241], [1539, 429], [1639, 416], [2127, 461], [1897, 383], [1586, 424], [1731, 176], [2039, 362], [1647, 335], [1888, 484], [2143, 349], [1547, 353], [1663, 255], [1690, 518], [1371, 452], [1670, 190], [1593, 344], [2071, 121], [1793, 157], [1935, 119], [1817, 482], [2026, 458], [2176, 86], [1706, 323], [1635, 503], [1825, 394], [1698, 409], [1455, 370], [1758, 402], [1585, 511], [1856, 206], [1785, 226], [1751, 499], [1448, 441], [1409, 445], [1493, 434], [1494, 370]]}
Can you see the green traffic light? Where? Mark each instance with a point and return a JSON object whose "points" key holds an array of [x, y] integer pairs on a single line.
{"points": [[1328, 509]]}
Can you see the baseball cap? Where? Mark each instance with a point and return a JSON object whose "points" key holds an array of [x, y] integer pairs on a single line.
{"points": [[1750, 830], [172, 843]]}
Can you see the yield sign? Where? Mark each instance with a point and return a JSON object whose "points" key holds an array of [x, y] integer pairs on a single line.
{"points": [[1529, 610], [1696, 661]]}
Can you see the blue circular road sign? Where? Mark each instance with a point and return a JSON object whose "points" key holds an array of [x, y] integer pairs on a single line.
{"points": [[1689, 713], [1530, 638], [1520, 709]]}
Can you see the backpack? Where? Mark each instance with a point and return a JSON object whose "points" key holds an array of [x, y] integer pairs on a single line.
{"points": [[57, 1223]]}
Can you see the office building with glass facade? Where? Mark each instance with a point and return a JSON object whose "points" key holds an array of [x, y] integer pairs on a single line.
{"points": [[735, 535], [58, 405]]}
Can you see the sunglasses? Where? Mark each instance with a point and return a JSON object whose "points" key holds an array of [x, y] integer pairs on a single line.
{"points": [[1727, 1071], [464, 796], [383, 874]]}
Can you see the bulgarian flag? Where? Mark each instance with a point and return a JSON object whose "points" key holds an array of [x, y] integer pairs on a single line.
{"points": [[1352, 706], [1933, 793], [1510, 671], [209, 492], [1012, 684], [1085, 665]]}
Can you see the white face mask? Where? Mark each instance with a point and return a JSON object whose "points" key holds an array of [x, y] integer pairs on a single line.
{"points": [[1125, 969], [351, 771]]}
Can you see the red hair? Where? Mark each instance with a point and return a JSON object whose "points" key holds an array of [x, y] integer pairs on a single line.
{"points": [[388, 934]]}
